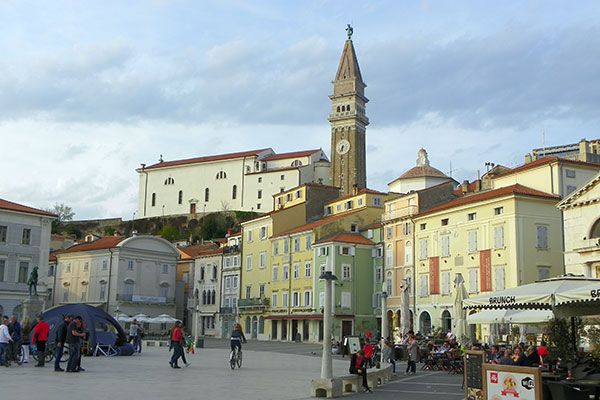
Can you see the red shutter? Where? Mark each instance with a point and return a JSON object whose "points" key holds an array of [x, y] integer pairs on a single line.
{"points": [[485, 268], [434, 275]]}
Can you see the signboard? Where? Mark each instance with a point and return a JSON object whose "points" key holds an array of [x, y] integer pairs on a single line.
{"points": [[485, 267], [473, 375], [353, 344], [511, 382], [434, 275], [148, 299]]}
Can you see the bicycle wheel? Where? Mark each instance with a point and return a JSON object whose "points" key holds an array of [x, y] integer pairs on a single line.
{"points": [[239, 359], [232, 357], [20, 356], [65, 354]]}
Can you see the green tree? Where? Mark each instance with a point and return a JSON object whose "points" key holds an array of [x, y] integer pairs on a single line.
{"points": [[64, 213], [109, 230], [169, 232]]}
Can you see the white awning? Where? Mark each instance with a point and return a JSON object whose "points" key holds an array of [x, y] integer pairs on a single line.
{"points": [[510, 316]]}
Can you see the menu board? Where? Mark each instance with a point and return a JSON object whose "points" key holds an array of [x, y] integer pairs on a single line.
{"points": [[473, 375], [512, 382]]}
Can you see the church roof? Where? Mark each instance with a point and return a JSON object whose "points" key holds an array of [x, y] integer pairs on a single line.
{"points": [[107, 242], [295, 154], [10, 206], [203, 159], [422, 169], [348, 67]]}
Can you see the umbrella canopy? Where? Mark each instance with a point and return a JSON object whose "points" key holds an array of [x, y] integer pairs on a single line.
{"points": [[510, 316], [460, 329], [123, 318], [141, 318], [539, 295], [405, 314], [163, 319]]}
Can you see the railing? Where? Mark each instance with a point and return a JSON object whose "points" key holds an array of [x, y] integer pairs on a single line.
{"points": [[399, 213], [228, 310], [255, 302]]}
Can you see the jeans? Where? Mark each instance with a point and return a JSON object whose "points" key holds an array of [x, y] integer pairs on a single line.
{"points": [[177, 352], [58, 353], [41, 348], [73, 362], [3, 353], [412, 366], [137, 343]]}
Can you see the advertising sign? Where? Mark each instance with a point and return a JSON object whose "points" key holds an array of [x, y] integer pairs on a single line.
{"points": [[353, 344], [148, 299], [473, 374], [510, 382]]}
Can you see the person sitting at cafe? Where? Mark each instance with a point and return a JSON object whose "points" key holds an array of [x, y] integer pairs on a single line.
{"points": [[506, 358], [445, 348], [495, 355], [543, 352], [533, 358], [518, 357]]}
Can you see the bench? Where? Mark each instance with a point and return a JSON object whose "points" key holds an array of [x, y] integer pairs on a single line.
{"points": [[375, 377]]}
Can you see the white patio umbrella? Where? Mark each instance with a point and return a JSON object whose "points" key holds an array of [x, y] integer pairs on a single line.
{"points": [[405, 313], [123, 318], [141, 318], [510, 316], [460, 329], [582, 300], [163, 319]]}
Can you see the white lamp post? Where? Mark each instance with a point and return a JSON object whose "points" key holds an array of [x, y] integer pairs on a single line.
{"points": [[384, 321], [326, 360]]}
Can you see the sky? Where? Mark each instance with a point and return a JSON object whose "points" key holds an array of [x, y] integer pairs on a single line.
{"points": [[89, 90]]}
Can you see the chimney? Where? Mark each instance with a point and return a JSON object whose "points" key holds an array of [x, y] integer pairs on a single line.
{"points": [[354, 190], [464, 186]]}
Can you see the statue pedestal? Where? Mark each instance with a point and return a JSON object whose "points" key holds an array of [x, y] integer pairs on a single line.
{"points": [[32, 307]]}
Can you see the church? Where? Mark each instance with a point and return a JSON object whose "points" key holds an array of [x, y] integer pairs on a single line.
{"points": [[248, 180]]}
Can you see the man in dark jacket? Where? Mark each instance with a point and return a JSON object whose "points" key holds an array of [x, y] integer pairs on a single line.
{"points": [[60, 339], [74, 338]]}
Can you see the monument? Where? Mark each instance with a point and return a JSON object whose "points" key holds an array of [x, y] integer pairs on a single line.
{"points": [[32, 306]]}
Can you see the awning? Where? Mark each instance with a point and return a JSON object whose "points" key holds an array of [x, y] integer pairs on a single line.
{"points": [[510, 316], [294, 317]]}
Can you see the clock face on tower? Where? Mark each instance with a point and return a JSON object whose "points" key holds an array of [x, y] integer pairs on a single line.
{"points": [[343, 146]]}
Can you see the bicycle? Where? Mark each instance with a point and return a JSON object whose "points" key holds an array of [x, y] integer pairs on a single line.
{"points": [[14, 354], [235, 358], [48, 354]]}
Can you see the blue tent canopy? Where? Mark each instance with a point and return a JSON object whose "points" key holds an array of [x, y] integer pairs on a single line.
{"points": [[103, 329]]}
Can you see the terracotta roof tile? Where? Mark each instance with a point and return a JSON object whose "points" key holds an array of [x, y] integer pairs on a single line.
{"points": [[295, 154], [199, 160], [421, 172], [360, 191], [107, 242], [320, 222], [544, 161], [10, 206], [199, 250], [346, 237], [491, 194]]}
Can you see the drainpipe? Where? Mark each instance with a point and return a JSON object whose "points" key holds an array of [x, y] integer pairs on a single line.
{"points": [[243, 180]]}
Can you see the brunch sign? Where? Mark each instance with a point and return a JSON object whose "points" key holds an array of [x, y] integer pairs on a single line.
{"points": [[511, 382]]}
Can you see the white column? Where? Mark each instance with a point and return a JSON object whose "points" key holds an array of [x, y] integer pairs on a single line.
{"points": [[384, 320], [326, 360]]}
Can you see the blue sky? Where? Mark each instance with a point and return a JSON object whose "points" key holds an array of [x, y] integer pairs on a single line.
{"points": [[89, 90]]}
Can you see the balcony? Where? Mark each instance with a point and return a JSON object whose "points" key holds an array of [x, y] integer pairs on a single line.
{"points": [[131, 298], [229, 310], [253, 303], [399, 213]]}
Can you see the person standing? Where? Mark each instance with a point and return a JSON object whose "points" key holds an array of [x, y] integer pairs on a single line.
{"points": [[413, 353], [16, 333], [26, 341], [74, 338], [369, 350], [176, 344], [358, 365], [60, 339], [387, 354], [135, 336], [39, 339], [5, 340]]}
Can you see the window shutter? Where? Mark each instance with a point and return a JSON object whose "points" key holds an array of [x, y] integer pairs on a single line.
{"points": [[352, 251]]}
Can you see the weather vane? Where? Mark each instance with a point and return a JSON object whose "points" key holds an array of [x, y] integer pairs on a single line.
{"points": [[349, 31]]}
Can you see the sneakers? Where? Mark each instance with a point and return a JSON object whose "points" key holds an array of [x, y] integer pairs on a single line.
{"points": [[188, 364], [59, 370]]}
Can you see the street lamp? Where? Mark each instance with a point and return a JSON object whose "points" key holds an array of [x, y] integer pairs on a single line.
{"points": [[326, 360], [133, 224], [384, 322]]}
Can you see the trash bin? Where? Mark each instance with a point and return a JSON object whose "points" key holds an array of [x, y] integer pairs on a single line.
{"points": [[200, 342]]}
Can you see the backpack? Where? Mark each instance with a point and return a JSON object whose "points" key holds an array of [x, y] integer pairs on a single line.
{"points": [[352, 369]]}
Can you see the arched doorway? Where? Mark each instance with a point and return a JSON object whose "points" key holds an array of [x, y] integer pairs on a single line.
{"points": [[390, 324], [254, 327], [247, 325], [446, 321], [425, 322]]}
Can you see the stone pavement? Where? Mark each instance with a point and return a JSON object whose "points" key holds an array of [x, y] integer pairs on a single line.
{"points": [[270, 371]]}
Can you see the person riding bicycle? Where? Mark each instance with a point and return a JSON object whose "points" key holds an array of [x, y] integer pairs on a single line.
{"points": [[237, 336]]}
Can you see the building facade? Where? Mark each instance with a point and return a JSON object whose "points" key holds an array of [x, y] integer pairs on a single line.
{"points": [[584, 150], [122, 275], [24, 245], [230, 284]]}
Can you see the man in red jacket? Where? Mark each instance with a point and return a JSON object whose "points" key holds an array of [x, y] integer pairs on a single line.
{"points": [[39, 338], [176, 344]]}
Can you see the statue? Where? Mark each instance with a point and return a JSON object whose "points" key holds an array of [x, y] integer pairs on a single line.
{"points": [[349, 31], [32, 282]]}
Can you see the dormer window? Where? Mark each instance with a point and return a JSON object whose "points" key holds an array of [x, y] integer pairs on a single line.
{"points": [[338, 108], [169, 181], [296, 163]]}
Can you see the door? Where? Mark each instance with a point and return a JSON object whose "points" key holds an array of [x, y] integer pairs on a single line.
{"points": [[320, 330], [284, 329], [346, 329], [274, 329], [294, 330], [305, 330], [193, 208]]}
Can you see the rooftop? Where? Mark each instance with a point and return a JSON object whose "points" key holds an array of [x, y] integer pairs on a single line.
{"points": [[320, 222], [10, 206], [545, 161], [107, 242], [346, 237], [295, 154], [204, 159], [199, 250]]}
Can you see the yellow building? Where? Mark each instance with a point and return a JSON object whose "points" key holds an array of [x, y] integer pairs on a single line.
{"points": [[491, 240]]}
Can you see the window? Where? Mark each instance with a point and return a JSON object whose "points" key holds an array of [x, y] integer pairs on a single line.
{"points": [[274, 300], [406, 228], [276, 247], [346, 299], [408, 253], [227, 282], [2, 268], [261, 290], [378, 275], [296, 271], [263, 233], [202, 273], [104, 265], [286, 272], [66, 295], [498, 210], [180, 197], [376, 300], [308, 241], [169, 181], [423, 249], [322, 269], [543, 273], [164, 291], [353, 228], [153, 199], [377, 252], [86, 266], [284, 299], [214, 271], [542, 237], [295, 299], [248, 291], [275, 272], [321, 299], [346, 272], [130, 265], [221, 175], [23, 271], [445, 244], [307, 269], [249, 262], [377, 201], [26, 239], [348, 205], [445, 221], [389, 256], [68, 269], [499, 237], [471, 216], [570, 173], [259, 194], [50, 271], [307, 299], [235, 282], [296, 163], [298, 194], [338, 207], [102, 291], [389, 232], [500, 282], [323, 251], [286, 246], [3, 233], [473, 280], [259, 180], [472, 241], [263, 259], [206, 194], [346, 251], [282, 177], [446, 282], [423, 226], [234, 192], [570, 189], [128, 289], [249, 236], [297, 244], [424, 286]]}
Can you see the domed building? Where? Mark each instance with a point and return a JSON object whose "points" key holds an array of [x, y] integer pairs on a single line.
{"points": [[421, 176]]}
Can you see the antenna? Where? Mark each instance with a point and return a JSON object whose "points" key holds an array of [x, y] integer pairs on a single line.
{"points": [[451, 170]]}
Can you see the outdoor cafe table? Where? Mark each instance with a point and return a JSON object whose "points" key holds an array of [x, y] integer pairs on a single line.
{"points": [[586, 384]]}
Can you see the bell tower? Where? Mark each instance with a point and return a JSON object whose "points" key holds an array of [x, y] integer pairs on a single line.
{"points": [[348, 122]]}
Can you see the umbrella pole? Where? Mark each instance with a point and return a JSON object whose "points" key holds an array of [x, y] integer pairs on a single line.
{"points": [[574, 336]]}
